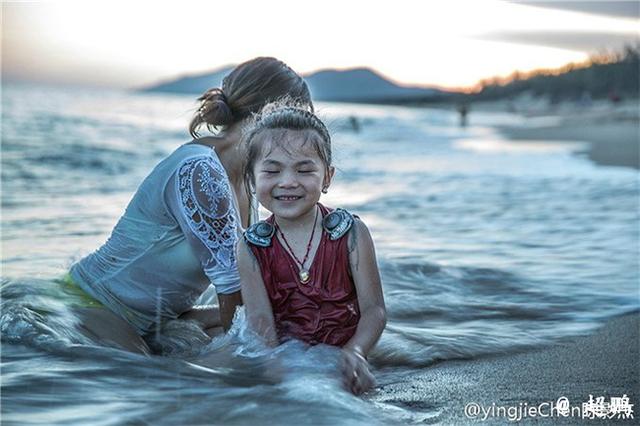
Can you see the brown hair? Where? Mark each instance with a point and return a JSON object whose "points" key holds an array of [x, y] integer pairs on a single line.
{"points": [[245, 90], [285, 114]]}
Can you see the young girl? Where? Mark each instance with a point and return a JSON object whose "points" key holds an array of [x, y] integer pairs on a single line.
{"points": [[308, 272]]}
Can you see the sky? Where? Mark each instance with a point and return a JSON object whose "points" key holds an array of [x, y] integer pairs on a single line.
{"points": [[441, 43]]}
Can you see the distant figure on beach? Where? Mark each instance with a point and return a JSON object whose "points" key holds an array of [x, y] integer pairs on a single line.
{"points": [[179, 233], [355, 124], [308, 272], [586, 99], [613, 96], [463, 110]]}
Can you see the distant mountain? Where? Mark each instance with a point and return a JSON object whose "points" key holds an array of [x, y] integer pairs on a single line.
{"points": [[191, 83], [610, 75], [354, 85], [361, 85]]}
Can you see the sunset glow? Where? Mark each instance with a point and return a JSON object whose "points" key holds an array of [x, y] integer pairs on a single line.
{"points": [[446, 44]]}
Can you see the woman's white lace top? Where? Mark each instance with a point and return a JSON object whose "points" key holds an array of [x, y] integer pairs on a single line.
{"points": [[177, 235]]}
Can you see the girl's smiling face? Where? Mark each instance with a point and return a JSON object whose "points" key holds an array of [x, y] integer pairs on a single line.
{"points": [[290, 175]]}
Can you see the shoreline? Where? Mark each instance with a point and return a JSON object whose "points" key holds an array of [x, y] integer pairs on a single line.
{"points": [[605, 363], [612, 131], [610, 144]]}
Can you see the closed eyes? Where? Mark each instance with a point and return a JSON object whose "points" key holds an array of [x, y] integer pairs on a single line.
{"points": [[278, 171]]}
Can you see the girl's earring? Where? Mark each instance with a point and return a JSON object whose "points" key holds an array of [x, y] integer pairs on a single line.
{"points": [[325, 190]]}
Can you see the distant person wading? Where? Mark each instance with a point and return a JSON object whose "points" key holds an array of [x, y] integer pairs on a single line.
{"points": [[179, 233]]}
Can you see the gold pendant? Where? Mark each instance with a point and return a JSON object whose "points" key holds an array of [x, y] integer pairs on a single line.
{"points": [[304, 276]]}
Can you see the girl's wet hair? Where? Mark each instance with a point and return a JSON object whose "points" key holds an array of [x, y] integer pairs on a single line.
{"points": [[249, 87], [285, 114]]}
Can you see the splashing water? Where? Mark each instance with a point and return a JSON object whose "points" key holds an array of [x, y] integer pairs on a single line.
{"points": [[482, 249]]}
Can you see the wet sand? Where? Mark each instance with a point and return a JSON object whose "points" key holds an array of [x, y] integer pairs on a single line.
{"points": [[612, 131], [611, 143], [603, 364]]}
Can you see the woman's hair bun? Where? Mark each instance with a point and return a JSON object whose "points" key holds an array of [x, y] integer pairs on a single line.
{"points": [[214, 111], [245, 90]]}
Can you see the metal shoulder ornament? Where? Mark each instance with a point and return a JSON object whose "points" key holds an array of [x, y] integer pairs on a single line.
{"points": [[336, 224]]}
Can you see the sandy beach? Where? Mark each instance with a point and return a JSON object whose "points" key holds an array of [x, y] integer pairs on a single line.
{"points": [[605, 364], [612, 131], [611, 144]]}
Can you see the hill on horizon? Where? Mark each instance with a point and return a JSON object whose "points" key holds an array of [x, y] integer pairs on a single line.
{"points": [[360, 85], [196, 83], [610, 75], [351, 85]]}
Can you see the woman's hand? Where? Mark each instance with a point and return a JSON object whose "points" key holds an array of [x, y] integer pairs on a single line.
{"points": [[228, 304], [355, 371]]}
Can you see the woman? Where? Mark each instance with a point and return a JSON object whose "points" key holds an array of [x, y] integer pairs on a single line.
{"points": [[179, 232]]}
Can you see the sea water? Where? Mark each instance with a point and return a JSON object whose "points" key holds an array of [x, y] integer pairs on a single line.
{"points": [[485, 246]]}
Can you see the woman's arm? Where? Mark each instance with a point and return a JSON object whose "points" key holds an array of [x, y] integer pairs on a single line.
{"points": [[200, 198], [373, 315], [228, 304], [256, 301]]}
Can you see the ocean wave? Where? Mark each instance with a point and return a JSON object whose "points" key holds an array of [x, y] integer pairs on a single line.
{"points": [[33, 314], [439, 313]]}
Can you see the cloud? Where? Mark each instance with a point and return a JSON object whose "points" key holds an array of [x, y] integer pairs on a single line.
{"points": [[618, 9], [589, 42]]}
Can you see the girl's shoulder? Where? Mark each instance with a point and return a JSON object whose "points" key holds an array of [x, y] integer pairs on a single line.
{"points": [[336, 223]]}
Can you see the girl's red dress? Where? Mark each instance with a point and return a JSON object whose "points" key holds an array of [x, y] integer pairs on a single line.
{"points": [[325, 309]]}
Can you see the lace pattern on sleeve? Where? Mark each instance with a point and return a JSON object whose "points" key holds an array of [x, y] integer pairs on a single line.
{"points": [[206, 198]]}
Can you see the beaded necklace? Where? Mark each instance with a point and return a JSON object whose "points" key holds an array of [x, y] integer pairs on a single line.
{"points": [[303, 273]]}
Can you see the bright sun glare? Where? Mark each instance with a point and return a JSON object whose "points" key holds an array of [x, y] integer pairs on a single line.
{"points": [[429, 43]]}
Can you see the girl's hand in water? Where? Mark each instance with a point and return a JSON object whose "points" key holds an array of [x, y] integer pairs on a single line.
{"points": [[355, 371]]}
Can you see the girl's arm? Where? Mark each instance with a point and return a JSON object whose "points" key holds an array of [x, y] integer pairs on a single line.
{"points": [[256, 301], [373, 315], [364, 268]]}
